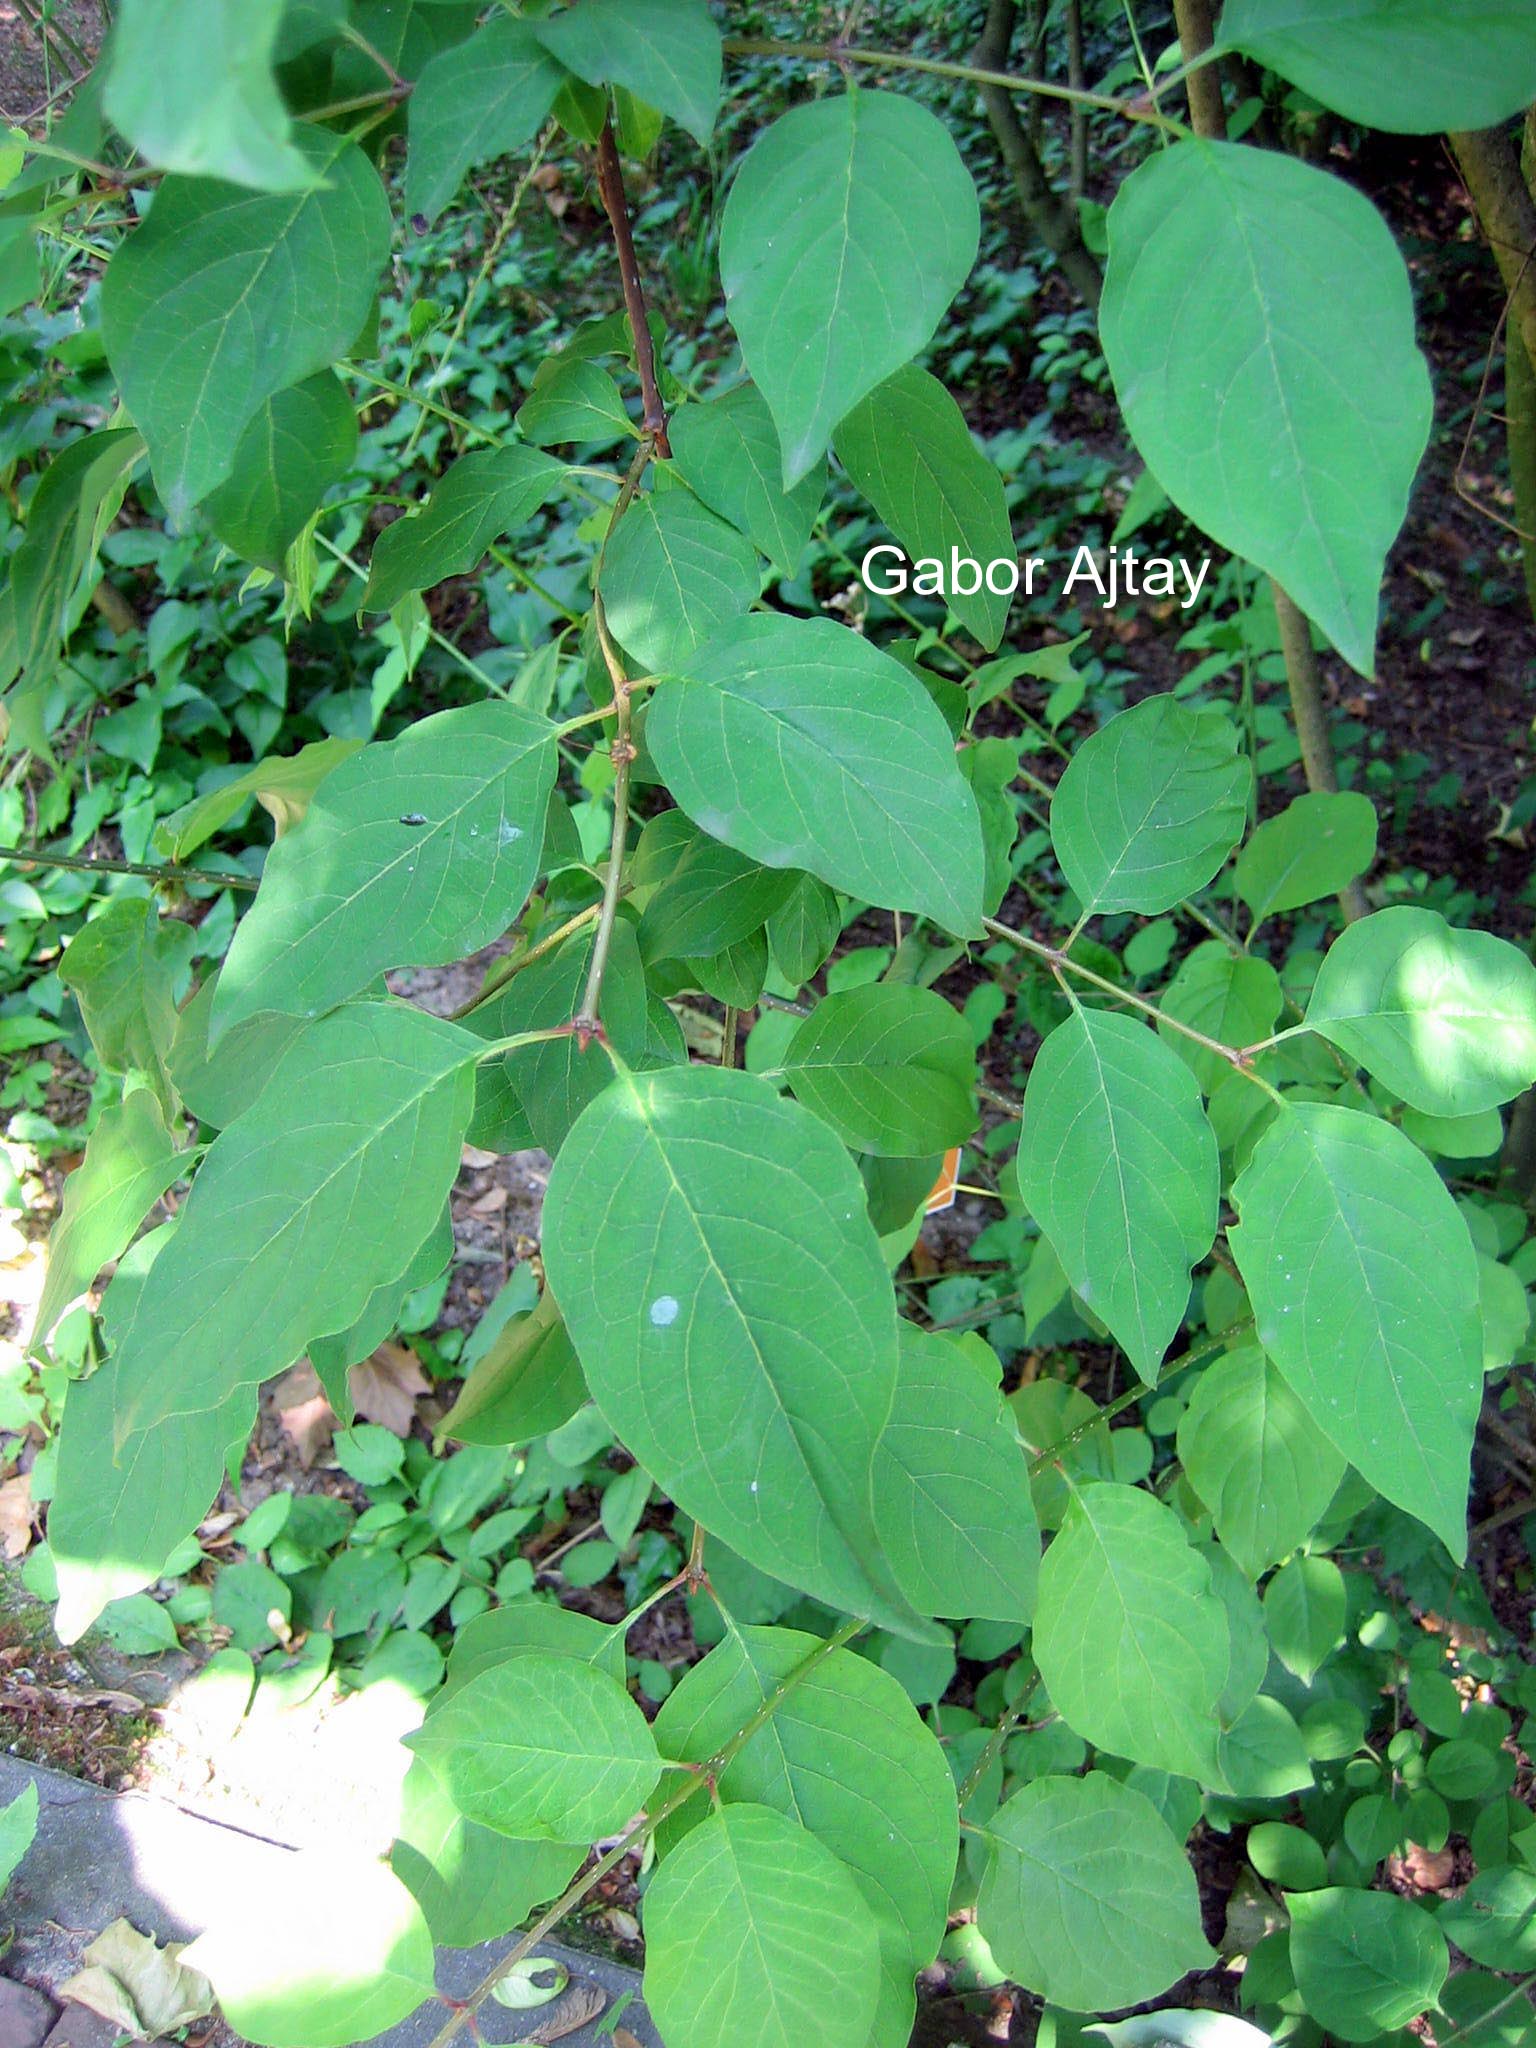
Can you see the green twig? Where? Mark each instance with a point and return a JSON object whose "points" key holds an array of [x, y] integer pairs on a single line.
{"points": [[211, 878]]}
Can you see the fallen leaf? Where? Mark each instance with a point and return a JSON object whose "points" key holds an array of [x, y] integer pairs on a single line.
{"points": [[306, 1415], [1428, 1870], [16, 1516], [1251, 1914], [475, 1155], [581, 2001], [385, 1387], [623, 2038], [491, 1203], [137, 1987]]}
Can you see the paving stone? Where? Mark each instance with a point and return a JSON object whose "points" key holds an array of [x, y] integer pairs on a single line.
{"points": [[25, 2015], [79, 2027]]}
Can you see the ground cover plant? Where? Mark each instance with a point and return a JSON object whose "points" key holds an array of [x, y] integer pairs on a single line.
{"points": [[798, 875]]}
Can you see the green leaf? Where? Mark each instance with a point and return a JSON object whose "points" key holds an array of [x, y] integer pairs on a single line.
{"points": [[1256, 1458], [1445, 1018], [1318, 845], [477, 100], [804, 929], [80, 491], [120, 969], [216, 1088], [415, 851], [282, 786], [1304, 1613], [1130, 1635], [482, 496], [668, 57], [672, 575], [220, 298], [338, 1951], [1364, 1962], [364, 1116], [991, 767], [1493, 1921], [1150, 806], [130, 1161], [908, 449], [1258, 323], [1263, 1755], [18, 1826], [705, 897], [1228, 996], [890, 1068], [753, 1906], [738, 1331], [527, 1383], [1118, 1166], [1364, 1289], [801, 745], [850, 226], [952, 1501], [1410, 66], [727, 451], [333, 1354], [1087, 1897], [299, 443], [543, 1748], [189, 84]]}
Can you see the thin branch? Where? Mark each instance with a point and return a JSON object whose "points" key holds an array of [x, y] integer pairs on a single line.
{"points": [[610, 185], [504, 973], [211, 878]]}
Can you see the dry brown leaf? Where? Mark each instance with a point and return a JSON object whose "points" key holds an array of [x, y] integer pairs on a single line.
{"points": [[476, 1156], [385, 1387], [580, 2001], [491, 1203], [623, 2038], [16, 1516], [137, 1987], [306, 1415], [1428, 1870]]}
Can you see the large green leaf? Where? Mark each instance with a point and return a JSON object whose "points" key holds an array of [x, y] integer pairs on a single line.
{"points": [[415, 851], [488, 493], [1494, 1920], [701, 896], [81, 487], [189, 84], [283, 785], [1231, 997], [474, 101], [527, 1383], [1150, 806], [1087, 1898], [672, 575], [1118, 1166], [1305, 1605], [849, 228], [1412, 66], [952, 1500], [890, 1067], [216, 1087], [300, 442], [727, 450], [333, 1354], [121, 968], [908, 449], [667, 56], [221, 298], [1256, 1458], [1317, 845], [1446, 1018], [364, 1117], [1364, 1962], [1364, 1288], [756, 1936], [799, 744], [738, 1330], [1258, 322], [542, 1748], [129, 1163], [1130, 1634]]}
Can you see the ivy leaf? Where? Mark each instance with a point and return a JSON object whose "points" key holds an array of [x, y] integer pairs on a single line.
{"points": [[952, 1499], [889, 1067], [1258, 323], [673, 573], [801, 745], [850, 226], [1445, 1018], [669, 57], [1364, 1289], [130, 1161], [300, 442], [1150, 806], [1229, 996], [543, 1748], [189, 83], [1408, 66], [738, 1332], [1130, 1635], [909, 451], [752, 1902], [1364, 1962], [1118, 1165], [1087, 1897], [364, 1116], [1317, 846], [1256, 1458], [482, 496], [415, 851], [220, 298], [479, 99], [727, 451]]}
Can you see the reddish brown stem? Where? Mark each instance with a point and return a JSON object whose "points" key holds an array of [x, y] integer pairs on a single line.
{"points": [[610, 185]]}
